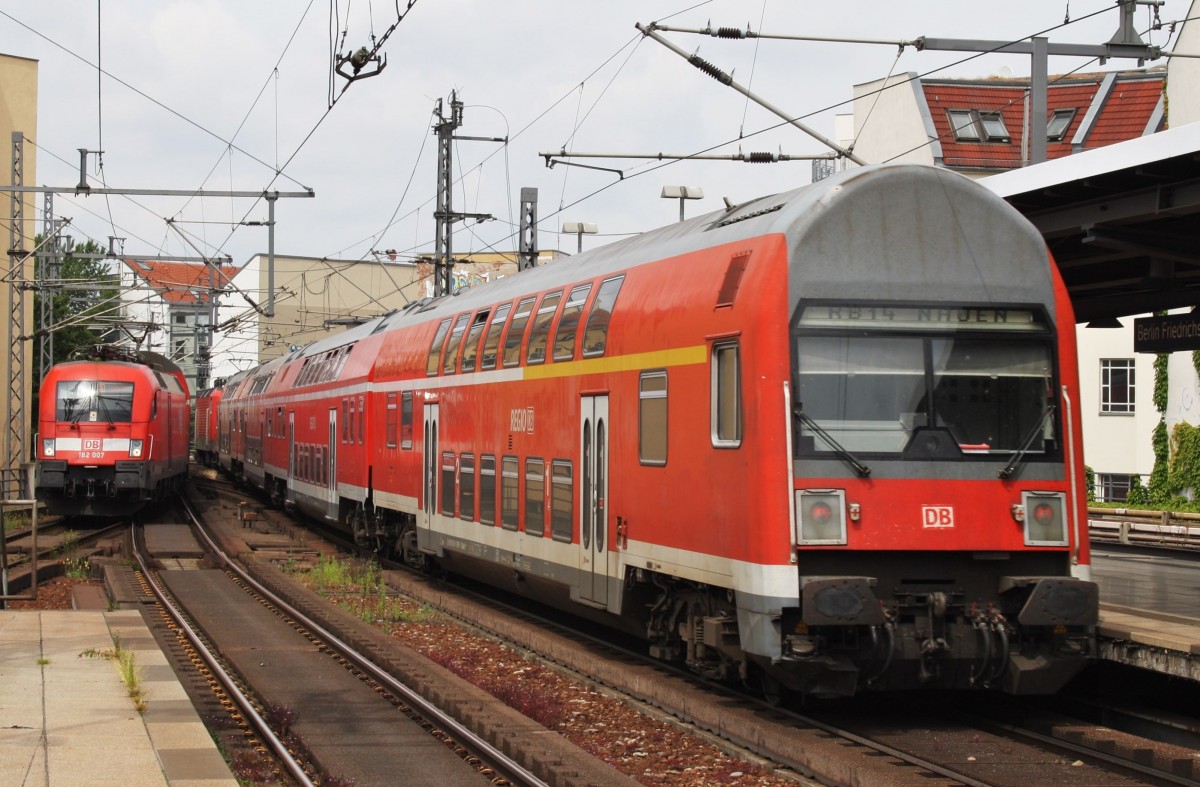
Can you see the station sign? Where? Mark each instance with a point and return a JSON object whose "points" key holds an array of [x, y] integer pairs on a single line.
{"points": [[1167, 334]]}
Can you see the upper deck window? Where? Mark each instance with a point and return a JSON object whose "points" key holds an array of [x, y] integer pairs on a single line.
{"points": [[564, 336], [539, 337], [516, 332], [595, 331], [94, 400], [491, 342], [435, 349], [451, 361]]}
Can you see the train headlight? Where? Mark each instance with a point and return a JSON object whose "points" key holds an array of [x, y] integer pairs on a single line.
{"points": [[822, 516], [47, 446], [135, 449], [1045, 518]]}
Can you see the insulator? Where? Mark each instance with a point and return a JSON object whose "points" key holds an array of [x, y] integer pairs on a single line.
{"points": [[710, 69], [730, 32], [761, 157]]}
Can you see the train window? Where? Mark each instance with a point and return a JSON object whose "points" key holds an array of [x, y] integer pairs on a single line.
{"points": [[726, 395], [390, 420], [487, 489], [509, 503], [652, 418], [448, 483], [451, 361], [282, 423], [535, 496], [362, 419], [564, 336], [733, 279], [491, 343], [466, 487], [345, 420], [562, 491], [406, 419], [435, 349], [471, 347], [90, 400], [516, 332], [595, 331], [539, 337], [938, 397]]}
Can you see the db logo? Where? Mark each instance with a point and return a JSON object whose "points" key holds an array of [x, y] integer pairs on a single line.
{"points": [[91, 445], [938, 516]]}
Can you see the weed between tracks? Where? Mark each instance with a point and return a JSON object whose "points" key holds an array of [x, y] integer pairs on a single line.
{"points": [[651, 752]]}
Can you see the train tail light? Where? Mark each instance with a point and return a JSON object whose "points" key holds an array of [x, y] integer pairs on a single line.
{"points": [[47, 446], [1044, 517], [822, 516], [135, 449]]}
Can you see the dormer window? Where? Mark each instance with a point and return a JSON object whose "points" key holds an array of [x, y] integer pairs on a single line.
{"points": [[1057, 125], [977, 125]]}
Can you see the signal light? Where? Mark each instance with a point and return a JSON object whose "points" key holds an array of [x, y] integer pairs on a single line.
{"points": [[1043, 514], [820, 513]]}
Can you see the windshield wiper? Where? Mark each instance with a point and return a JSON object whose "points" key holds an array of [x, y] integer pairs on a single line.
{"points": [[1019, 454], [101, 400], [837, 447]]}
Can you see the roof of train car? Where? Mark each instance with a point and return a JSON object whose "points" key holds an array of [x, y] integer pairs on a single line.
{"points": [[793, 213]]}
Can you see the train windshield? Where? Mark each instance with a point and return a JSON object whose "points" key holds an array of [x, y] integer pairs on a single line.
{"points": [[924, 383], [94, 400]]}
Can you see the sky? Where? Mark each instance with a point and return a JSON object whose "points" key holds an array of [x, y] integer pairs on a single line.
{"points": [[229, 95]]}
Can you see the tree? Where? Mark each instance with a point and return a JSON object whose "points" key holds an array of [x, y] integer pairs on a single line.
{"points": [[85, 292]]}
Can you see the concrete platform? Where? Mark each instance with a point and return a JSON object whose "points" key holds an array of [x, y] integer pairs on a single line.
{"points": [[66, 717]]}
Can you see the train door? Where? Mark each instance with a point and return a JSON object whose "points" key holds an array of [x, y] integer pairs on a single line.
{"points": [[429, 469], [329, 471], [291, 473], [593, 500]]}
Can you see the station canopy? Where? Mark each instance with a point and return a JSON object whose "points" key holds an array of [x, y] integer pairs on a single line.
{"points": [[1122, 221]]}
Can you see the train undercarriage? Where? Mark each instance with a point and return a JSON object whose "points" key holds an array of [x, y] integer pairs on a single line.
{"points": [[1032, 636]]}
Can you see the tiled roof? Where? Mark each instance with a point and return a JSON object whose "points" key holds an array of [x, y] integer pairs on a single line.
{"points": [[1123, 116], [181, 282]]}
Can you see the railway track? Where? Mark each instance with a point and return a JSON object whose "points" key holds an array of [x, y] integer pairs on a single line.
{"points": [[474, 752]]}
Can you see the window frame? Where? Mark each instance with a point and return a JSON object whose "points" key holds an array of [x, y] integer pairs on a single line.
{"points": [[543, 319], [976, 125], [718, 392], [391, 419], [1107, 404], [562, 500], [1066, 116], [467, 493], [567, 332], [487, 469], [406, 419], [649, 395], [534, 487], [510, 492], [518, 322]]}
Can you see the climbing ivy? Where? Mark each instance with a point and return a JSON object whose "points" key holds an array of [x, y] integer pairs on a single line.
{"points": [[1160, 482], [1089, 476], [1138, 494], [1161, 381], [1185, 459]]}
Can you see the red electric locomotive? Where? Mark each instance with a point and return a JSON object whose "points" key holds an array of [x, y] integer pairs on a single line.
{"points": [[112, 433], [824, 441], [204, 435]]}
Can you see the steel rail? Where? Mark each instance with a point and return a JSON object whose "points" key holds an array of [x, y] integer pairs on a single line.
{"points": [[504, 765], [245, 707]]}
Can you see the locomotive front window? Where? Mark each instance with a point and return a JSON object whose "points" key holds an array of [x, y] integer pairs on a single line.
{"points": [[880, 392], [94, 400]]}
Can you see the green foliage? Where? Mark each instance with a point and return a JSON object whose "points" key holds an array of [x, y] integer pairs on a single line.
{"points": [[1161, 381], [1089, 475], [77, 568], [1160, 483], [1185, 460], [1138, 494]]}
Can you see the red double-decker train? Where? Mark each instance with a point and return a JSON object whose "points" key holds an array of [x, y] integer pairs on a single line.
{"points": [[823, 441], [112, 433]]}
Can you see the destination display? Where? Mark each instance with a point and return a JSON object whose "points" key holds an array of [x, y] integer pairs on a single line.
{"points": [[864, 315]]}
